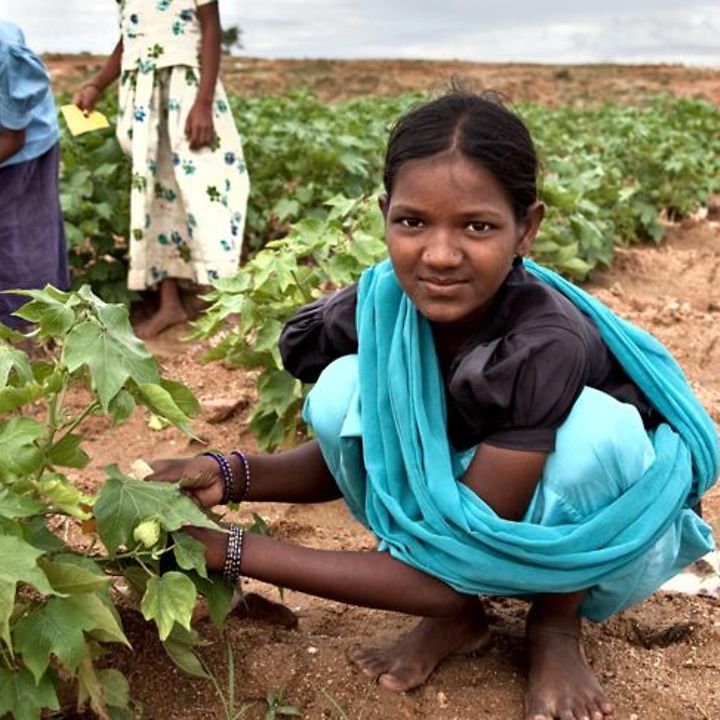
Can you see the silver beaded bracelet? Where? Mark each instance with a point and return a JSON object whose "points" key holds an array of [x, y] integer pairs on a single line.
{"points": [[231, 570]]}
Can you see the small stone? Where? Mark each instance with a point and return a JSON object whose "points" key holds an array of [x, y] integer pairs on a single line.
{"points": [[312, 650], [218, 410], [442, 699]]}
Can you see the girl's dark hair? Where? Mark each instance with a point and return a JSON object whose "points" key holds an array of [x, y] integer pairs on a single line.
{"points": [[479, 127]]}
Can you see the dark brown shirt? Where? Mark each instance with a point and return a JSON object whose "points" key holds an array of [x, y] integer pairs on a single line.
{"points": [[512, 384]]}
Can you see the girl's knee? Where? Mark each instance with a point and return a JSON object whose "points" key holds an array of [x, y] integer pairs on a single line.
{"points": [[601, 449], [327, 404]]}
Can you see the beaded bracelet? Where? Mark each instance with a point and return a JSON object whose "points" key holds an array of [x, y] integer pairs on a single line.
{"points": [[246, 473], [227, 475], [231, 570]]}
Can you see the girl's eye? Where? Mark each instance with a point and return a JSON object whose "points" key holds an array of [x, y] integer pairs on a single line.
{"points": [[478, 226], [410, 222]]}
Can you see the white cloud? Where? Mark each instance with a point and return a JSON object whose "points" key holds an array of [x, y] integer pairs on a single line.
{"points": [[519, 30]]}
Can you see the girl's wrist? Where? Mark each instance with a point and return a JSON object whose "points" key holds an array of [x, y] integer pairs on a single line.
{"points": [[216, 551]]}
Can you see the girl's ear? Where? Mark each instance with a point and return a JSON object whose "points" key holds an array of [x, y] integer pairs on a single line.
{"points": [[384, 203], [530, 226]]}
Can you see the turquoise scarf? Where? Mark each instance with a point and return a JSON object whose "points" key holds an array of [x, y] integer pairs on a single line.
{"points": [[411, 499]]}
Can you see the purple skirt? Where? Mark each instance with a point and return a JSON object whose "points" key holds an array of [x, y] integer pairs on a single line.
{"points": [[32, 238]]}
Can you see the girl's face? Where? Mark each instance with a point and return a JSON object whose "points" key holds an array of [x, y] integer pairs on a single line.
{"points": [[452, 236]]}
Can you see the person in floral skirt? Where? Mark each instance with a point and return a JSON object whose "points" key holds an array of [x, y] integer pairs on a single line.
{"points": [[189, 180]]}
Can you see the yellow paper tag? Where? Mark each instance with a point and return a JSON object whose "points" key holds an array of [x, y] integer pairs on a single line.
{"points": [[79, 123]]}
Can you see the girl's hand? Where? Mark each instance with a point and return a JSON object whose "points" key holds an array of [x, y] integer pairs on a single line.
{"points": [[199, 127], [200, 477], [86, 98]]}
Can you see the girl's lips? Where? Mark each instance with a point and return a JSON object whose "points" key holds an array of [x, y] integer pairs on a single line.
{"points": [[441, 286]]}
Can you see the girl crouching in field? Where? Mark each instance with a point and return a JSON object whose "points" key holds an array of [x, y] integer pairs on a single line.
{"points": [[500, 431]]}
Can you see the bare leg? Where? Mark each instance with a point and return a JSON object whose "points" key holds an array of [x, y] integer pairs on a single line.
{"points": [[561, 684], [171, 311]]}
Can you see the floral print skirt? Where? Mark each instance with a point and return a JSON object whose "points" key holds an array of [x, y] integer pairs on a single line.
{"points": [[187, 209]]}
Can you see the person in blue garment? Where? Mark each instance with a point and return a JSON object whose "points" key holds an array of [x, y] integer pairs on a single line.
{"points": [[32, 238], [500, 431]]}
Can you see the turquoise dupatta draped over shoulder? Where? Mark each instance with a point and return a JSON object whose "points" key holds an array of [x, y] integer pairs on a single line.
{"points": [[400, 475]]}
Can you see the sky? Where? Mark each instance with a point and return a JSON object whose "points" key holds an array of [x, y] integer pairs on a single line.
{"points": [[554, 31]]}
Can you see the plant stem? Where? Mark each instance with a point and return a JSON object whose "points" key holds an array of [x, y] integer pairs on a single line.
{"points": [[144, 566], [91, 408], [7, 659]]}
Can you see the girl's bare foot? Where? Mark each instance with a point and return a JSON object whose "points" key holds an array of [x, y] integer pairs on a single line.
{"points": [[561, 684], [409, 661], [163, 319], [171, 311]]}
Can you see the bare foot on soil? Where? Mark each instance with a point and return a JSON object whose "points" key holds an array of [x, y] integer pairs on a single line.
{"points": [[161, 320], [561, 684], [409, 661]]}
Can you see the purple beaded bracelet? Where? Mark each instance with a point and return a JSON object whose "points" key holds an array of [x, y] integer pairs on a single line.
{"points": [[246, 472], [227, 476]]}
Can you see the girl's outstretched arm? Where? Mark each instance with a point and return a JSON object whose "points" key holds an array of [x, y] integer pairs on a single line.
{"points": [[367, 579], [87, 96], [199, 127]]}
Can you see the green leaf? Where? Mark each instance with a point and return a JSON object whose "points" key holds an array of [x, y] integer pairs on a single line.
{"points": [[219, 597], [14, 506], [90, 687], [19, 564], [15, 397], [259, 526], [35, 532], [121, 407], [182, 396], [56, 628], [117, 713], [167, 600], [189, 553], [22, 697], [106, 624], [64, 496], [67, 453], [111, 351], [12, 359], [278, 390], [7, 604], [123, 503], [116, 688], [160, 401], [71, 579], [48, 311], [20, 454], [181, 653]]}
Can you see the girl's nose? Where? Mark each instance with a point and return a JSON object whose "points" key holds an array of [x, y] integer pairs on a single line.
{"points": [[441, 250]]}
